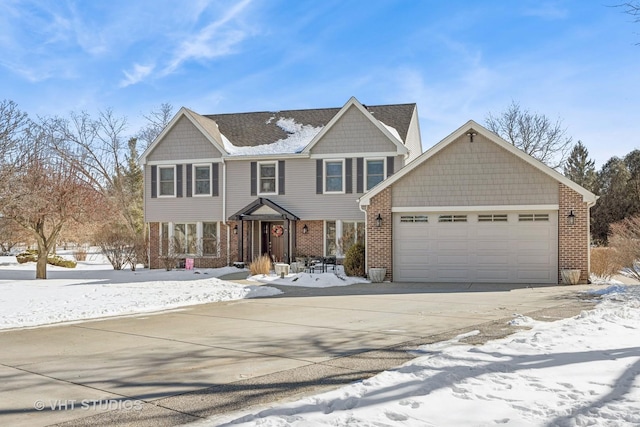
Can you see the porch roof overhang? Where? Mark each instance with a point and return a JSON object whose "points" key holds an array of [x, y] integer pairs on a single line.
{"points": [[249, 212]]}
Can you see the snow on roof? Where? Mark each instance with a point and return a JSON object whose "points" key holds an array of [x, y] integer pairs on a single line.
{"points": [[393, 130], [298, 137]]}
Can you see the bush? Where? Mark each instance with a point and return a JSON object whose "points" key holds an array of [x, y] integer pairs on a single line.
{"points": [[260, 265], [604, 262], [80, 254], [31, 255], [354, 261], [625, 239]]}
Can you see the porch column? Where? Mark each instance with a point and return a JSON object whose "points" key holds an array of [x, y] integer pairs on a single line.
{"points": [[240, 237]]}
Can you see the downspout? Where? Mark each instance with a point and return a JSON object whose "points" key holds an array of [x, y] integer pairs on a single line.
{"points": [[224, 209], [366, 238]]}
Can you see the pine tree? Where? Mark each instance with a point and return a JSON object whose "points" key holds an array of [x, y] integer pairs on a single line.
{"points": [[579, 168]]}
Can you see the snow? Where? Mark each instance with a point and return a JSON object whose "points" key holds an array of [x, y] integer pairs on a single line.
{"points": [[94, 290], [299, 136], [311, 280], [581, 371], [393, 131]]}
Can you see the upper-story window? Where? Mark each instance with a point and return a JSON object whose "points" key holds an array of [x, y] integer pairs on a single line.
{"points": [[375, 172], [202, 181], [167, 181], [334, 176], [268, 182]]}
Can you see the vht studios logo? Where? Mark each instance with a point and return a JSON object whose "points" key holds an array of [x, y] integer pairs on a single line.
{"points": [[87, 404]]}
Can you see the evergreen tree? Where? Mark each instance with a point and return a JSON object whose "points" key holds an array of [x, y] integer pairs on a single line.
{"points": [[614, 203], [579, 168]]}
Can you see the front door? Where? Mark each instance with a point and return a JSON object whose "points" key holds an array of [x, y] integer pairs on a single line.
{"points": [[273, 240]]}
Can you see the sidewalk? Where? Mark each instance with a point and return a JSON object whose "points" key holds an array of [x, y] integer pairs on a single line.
{"points": [[180, 366]]}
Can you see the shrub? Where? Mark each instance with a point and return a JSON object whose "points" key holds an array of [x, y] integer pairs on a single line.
{"points": [[604, 262], [354, 261], [625, 239], [117, 243], [80, 254], [260, 265], [31, 255]]}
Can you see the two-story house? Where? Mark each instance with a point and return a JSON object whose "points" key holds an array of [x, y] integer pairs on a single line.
{"points": [[472, 208], [229, 187]]}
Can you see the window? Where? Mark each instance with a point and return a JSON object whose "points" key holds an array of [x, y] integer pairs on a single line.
{"points": [[202, 181], [185, 238], [375, 172], [492, 218], [414, 218], [164, 238], [341, 235], [452, 218], [533, 217], [267, 178], [209, 238], [167, 182], [333, 176]]}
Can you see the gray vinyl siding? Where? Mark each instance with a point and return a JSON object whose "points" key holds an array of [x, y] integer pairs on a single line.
{"points": [[353, 133], [474, 174], [300, 198], [184, 209], [183, 141]]}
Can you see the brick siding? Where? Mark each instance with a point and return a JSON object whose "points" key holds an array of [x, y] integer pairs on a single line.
{"points": [[379, 239], [312, 243], [573, 240]]}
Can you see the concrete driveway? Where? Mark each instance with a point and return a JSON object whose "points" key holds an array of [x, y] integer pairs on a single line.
{"points": [[183, 365]]}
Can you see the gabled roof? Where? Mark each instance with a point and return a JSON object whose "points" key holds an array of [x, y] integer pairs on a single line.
{"points": [[250, 211], [368, 112], [207, 127], [258, 128], [472, 126]]}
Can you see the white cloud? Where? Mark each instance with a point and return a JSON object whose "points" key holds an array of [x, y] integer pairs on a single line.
{"points": [[139, 73], [212, 41]]}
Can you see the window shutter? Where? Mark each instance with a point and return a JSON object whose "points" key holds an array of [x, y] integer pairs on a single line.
{"points": [[359, 175], [178, 180], [319, 176], [189, 180], [254, 178], [280, 176], [154, 182], [348, 175], [390, 164], [215, 180]]}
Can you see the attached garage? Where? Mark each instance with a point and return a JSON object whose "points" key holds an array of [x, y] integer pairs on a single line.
{"points": [[474, 208], [515, 247]]}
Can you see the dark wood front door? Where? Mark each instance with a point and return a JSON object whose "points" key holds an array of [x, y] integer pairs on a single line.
{"points": [[273, 240]]}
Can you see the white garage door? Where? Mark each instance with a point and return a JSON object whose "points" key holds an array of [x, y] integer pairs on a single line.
{"points": [[520, 247]]}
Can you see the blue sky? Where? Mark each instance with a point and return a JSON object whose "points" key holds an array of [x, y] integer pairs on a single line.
{"points": [[576, 60]]}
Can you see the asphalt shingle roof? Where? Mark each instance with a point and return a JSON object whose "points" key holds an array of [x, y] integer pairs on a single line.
{"points": [[252, 129]]}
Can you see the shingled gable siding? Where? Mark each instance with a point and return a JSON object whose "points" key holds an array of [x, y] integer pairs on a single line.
{"points": [[379, 250], [573, 240], [475, 174], [183, 141], [353, 133]]}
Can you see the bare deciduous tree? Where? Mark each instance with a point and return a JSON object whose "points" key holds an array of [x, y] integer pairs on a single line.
{"points": [[625, 239], [533, 133], [157, 120]]}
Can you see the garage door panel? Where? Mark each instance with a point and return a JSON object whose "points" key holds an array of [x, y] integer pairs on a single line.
{"points": [[508, 252]]}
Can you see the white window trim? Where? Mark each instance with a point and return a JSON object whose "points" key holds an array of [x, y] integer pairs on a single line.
{"points": [[324, 176], [193, 179], [199, 237], [175, 182], [260, 192], [366, 170], [339, 233]]}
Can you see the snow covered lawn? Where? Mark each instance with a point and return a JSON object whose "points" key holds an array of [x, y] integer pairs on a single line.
{"points": [[581, 371], [93, 290]]}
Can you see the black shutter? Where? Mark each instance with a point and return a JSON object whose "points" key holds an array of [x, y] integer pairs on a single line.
{"points": [[254, 178], [215, 180], [178, 180], [189, 180], [280, 176], [319, 176], [348, 176], [359, 175], [390, 163], [154, 182]]}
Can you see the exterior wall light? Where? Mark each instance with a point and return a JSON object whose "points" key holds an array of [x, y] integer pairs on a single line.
{"points": [[471, 134], [571, 218], [379, 220], [305, 229], [235, 229]]}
